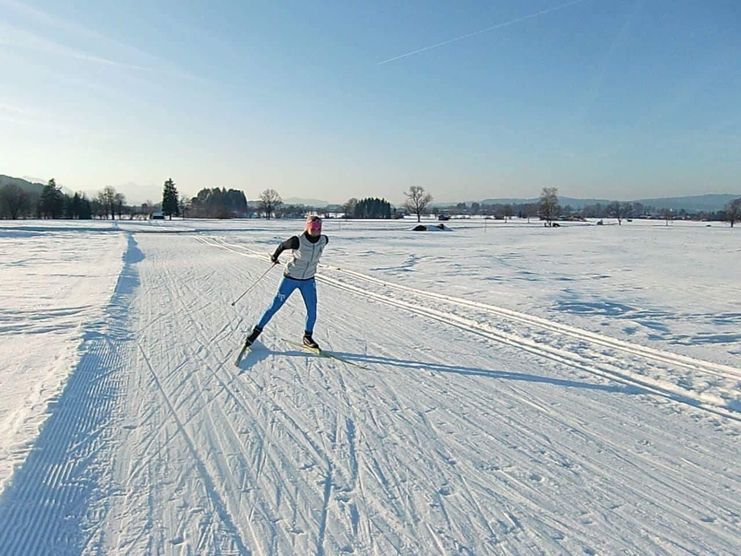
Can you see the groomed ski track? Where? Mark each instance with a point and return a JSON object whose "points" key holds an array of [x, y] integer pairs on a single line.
{"points": [[475, 429]]}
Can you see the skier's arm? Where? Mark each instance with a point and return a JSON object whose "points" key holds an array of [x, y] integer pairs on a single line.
{"points": [[290, 243]]}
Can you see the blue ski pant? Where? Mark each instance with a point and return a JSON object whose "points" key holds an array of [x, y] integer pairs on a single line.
{"points": [[286, 288]]}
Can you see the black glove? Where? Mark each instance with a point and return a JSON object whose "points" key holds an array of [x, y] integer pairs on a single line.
{"points": [[274, 259]]}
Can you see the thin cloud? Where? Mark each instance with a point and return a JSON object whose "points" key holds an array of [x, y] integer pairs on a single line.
{"points": [[32, 118], [18, 38], [593, 92], [29, 39], [482, 31], [12, 108]]}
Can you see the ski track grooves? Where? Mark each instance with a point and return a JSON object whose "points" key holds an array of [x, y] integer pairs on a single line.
{"points": [[219, 504], [290, 427], [185, 310], [61, 494], [598, 363]]}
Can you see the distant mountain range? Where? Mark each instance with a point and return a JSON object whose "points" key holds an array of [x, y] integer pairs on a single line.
{"points": [[707, 202], [25, 185], [305, 202]]}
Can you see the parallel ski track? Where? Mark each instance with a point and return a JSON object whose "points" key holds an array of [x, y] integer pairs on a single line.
{"points": [[267, 454], [60, 495], [613, 369], [232, 435]]}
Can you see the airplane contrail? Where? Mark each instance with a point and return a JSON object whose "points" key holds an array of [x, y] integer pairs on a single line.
{"points": [[481, 31]]}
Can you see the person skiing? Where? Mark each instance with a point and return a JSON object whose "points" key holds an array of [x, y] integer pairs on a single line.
{"points": [[298, 274]]}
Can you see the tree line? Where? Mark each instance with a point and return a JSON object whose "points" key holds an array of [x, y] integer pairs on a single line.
{"points": [[549, 209], [52, 202]]}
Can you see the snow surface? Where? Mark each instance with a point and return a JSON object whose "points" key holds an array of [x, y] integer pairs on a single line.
{"points": [[54, 287], [499, 389]]}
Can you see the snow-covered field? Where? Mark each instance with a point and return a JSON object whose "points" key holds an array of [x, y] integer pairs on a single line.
{"points": [[503, 389]]}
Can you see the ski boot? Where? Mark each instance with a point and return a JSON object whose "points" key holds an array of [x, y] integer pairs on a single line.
{"points": [[253, 336], [247, 343], [309, 342]]}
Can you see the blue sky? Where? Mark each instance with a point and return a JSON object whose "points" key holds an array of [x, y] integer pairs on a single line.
{"points": [[330, 100]]}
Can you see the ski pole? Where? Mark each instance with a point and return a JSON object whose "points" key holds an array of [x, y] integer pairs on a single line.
{"points": [[253, 284]]}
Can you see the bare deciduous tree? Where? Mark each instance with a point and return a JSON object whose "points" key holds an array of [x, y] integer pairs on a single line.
{"points": [[618, 210], [548, 205], [508, 212], [184, 205], [417, 200], [119, 200], [667, 214], [13, 201], [108, 197], [349, 207], [269, 201], [733, 211], [530, 210]]}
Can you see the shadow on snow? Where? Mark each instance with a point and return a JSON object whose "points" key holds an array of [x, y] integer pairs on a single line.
{"points": [[48, 504], [261, 352]]}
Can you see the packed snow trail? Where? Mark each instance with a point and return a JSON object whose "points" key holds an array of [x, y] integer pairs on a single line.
{"points": [[58, 497], [54, 285], [453, 441], [685, 379]]}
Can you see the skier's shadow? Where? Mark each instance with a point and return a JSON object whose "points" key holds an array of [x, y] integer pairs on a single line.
{"points": [[486, 373], [260, 352], [255, 354]]}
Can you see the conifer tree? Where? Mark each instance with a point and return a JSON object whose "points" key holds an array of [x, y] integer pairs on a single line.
{"points": [[170, 204], [51, 202]]}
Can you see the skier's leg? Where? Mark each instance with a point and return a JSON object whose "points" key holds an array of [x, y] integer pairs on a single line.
{"points": [[308, 292], [284, 291]]}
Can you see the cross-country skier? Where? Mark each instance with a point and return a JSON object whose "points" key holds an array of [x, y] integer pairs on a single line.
{"points": [[298, 274]]}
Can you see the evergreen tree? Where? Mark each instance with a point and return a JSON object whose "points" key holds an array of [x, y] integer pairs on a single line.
{"points": [[67, 207], [372, 208], [85, 211], [170, 199], [219, 203], [76, 205], [51, 202]]}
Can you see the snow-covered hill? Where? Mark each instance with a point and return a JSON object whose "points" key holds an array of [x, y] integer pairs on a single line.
{"points": [[506, 389]]}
